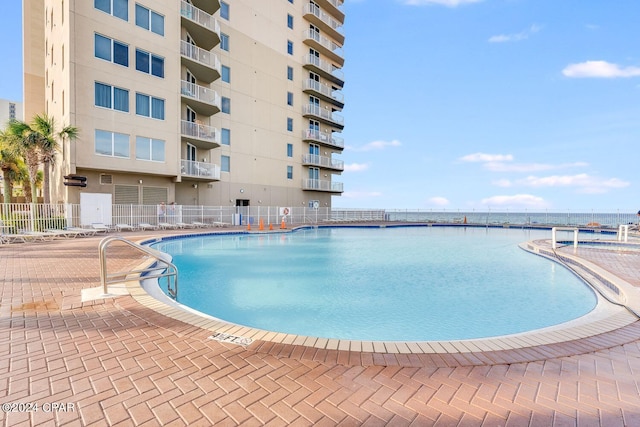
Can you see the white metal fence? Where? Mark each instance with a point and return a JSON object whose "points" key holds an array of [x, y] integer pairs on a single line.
{"points": [[19, 217]]}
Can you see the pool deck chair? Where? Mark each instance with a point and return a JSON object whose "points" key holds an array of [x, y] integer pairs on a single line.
{"points": [[184, 225], [167, 226], [147, 226], [100, 227], [83, 232], [198, 224], [125, 227]]}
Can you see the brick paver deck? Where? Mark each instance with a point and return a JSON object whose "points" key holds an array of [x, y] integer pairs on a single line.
{"points": [[117, 362]]}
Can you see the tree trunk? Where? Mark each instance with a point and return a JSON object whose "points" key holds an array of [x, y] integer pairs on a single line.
{"points": [[45, 182], [6, 187]]}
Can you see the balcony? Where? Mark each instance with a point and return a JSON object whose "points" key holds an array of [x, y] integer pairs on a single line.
{"points": [[329, 48], [324, 21], [333, 7], [323, 138], [204, 64], [324, 68], [209, 6], [323, 162], [322, 185], [323, 91], [199, 171], [323, 114], [203, 27], [202, 136], [202, 100]]}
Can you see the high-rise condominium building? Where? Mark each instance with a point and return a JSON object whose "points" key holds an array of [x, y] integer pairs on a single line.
{"points": [[207, 102], [9, 110]]}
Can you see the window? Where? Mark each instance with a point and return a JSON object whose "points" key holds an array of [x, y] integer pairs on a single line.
{"points": [[226, 105], [225, 163], [117, 8], [225, 136], [290, 98], [289, 172], [111, 144], [111, 97], [289, 150], [149, 63], [149, 20], [289, 47], [149, 149], [111, 50], [291, 1], [149, 106], [289, 124], [290, 21], [226, 74], [224, 42], [224, 10], [290, 73]]}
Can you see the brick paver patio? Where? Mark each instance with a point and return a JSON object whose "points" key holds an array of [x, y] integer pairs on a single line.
{"points": [[116, 362]]}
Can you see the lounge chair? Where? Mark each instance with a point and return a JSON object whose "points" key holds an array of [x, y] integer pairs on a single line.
{"points": [[84, 232], [198, 224], [147, 226], [124, 227], [40, 235], [184, 225], [166, 226], [100, 227]]}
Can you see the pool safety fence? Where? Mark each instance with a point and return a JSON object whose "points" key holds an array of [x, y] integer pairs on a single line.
{"points": [[28, 217]]}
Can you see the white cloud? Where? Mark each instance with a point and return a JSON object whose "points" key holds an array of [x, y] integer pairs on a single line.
{"points": [[584, 182], [356, 167], [501, 163], [518, 200], [483, 157], [377, 145], [529, 167], [523, 35], [449, 3], [361, 194], [438, 201], [599, 69], [502, 183]]}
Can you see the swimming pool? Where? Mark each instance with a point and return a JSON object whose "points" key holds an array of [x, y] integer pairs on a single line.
{"points": [[391, 284]]}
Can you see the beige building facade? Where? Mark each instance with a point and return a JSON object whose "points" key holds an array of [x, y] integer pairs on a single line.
{"points": [[202, 102], [10, 110]]}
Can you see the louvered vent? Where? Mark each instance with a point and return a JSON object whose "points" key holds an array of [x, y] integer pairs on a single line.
{"points": [[154, 195], [106, 179], [126, 195]]}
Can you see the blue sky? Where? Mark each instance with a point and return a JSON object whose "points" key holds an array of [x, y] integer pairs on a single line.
{"points": [[477, 104]]}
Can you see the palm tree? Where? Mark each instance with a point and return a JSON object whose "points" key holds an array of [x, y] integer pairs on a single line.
{"points": [[39, 141], [10, 164]]}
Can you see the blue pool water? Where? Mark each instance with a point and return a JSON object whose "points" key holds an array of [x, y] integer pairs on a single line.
{"points": [[392, 284]]}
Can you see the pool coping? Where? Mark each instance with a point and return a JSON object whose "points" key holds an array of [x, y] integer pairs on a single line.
{"points": [[532, 345]]}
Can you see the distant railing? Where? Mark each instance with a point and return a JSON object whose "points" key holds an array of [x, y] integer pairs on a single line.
{"points": [[200, 55], [25, 217]]}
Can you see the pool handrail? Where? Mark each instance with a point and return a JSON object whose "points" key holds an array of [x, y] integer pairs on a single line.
{"points": [[168, 270]]}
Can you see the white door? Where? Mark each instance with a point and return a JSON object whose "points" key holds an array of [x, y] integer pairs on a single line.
{"points": [[95, 207]]}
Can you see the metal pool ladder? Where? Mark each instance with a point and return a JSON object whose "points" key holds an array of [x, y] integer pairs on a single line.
{"points": [[161, 268]]}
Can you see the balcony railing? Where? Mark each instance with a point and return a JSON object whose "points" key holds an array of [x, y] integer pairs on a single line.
{"points": [[322, 161], [208, 100], [331, 71], [190, 168], [331, 46], [202, 20], [326, 19], [323, 89], [204, 58], [335, 6], [322, 185], [325, 138], [317, 111], [200, 132]]}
